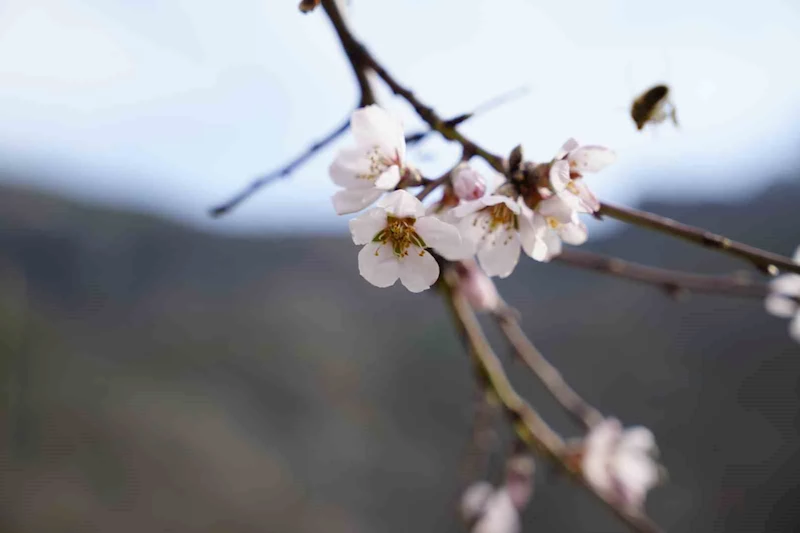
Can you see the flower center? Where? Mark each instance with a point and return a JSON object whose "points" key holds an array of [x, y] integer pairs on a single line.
{"points": [[378, 163], [400, 233], [496, 217], [552, 222], [571, 187]]}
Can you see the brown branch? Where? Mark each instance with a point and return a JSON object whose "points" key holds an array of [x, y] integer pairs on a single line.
{"points": [[765, 261], [527, 423], [350, 47], [361, 59], [549, 375], [280, 173], [671, 281], [488, 105]]}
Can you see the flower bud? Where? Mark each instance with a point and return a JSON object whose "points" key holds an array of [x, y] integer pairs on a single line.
{"points": [[477, 287], [468, 183]]}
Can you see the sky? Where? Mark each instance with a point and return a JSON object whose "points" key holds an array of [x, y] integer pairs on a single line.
{"points": [[171, 106]]}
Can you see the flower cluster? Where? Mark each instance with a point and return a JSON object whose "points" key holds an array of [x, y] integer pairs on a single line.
{"points": [[784, 297], [494, 227]]}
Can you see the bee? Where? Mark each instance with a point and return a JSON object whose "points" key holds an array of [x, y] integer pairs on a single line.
{"points": [[653, 106]]}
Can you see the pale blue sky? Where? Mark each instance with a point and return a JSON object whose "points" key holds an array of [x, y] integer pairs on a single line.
{"points": [[172, 105]]}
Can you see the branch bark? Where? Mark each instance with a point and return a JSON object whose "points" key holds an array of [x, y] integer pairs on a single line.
{"points": [[765, 261], [526, 422]]}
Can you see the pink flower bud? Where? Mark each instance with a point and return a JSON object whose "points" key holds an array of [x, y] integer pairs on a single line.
{"points": [[468, 183], [477, 287]]}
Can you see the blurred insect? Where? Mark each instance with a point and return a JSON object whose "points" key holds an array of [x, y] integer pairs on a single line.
{"points": [[653, 106]]}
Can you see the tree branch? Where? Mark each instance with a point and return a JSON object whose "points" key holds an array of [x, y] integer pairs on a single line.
{"points": [[671, 281], [360, 58], [280, 173], [350, 47], [580, 409], [765, 261], [527, 423]]}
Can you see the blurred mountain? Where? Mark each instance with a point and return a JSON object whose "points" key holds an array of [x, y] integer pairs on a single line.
{"points": [[157, 378]]}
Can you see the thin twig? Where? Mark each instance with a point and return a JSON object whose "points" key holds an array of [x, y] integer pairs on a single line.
{"points": [[767, 262], [432, 185], [672, 281], [527, 423], [484, 107], [549, 375], [282, 172]]}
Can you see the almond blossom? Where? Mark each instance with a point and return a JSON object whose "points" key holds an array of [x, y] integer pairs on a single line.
{"points": [[555, 220], [495, 228], [783, 298], [566, 177], [375, 165], [396, 235], [620, 464], [468, 183]]}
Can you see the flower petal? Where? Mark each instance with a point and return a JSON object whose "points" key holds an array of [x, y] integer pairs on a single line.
{"points": [[378, 264], [499, 254], [556, 207], [531, 228], [349, 201], [780, 306], [364, 227], [794, 328], [788, 284], [559, 176], [389, 179], [589, 202], [442, 237], [402, 204], [374, 126], [570, 145], [553, 244], [418, 270], [349, 164], [574, 233], [591, 158]]}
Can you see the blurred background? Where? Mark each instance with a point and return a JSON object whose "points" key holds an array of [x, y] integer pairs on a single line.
{"points": [[165, 371]]}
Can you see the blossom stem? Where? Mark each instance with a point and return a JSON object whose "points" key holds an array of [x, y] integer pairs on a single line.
{"points": [[527, 423], [765, 261]]}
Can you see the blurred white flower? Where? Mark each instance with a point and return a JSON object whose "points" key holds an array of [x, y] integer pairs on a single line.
{"points": [[489, 510], [396, 234], [566, 178], [374, 166], [468, 183], [477, 286], [486, 510], [555, 221], [495, 227], [620, 464], [782, 300]]}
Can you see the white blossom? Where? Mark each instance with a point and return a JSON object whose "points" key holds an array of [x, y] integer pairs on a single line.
{"points": [[566, 173], [488, 510], [495, 228], [468, 183], [555, 221], [620, 464], [782, 300], [396, 235], [375, 165]]}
